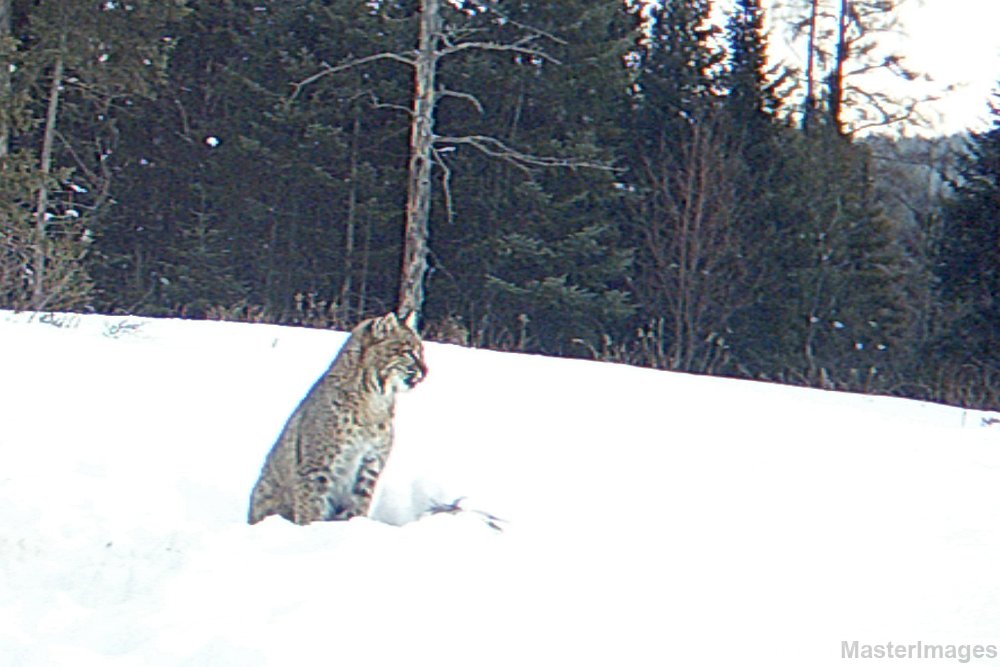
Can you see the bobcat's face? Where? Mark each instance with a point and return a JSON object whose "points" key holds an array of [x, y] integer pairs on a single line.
{"points": [[394, 354]]}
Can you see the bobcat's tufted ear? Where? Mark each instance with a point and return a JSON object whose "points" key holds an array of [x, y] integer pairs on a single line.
{"points": [[385, 325]]}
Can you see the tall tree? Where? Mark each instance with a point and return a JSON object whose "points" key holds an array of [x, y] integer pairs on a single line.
{"points": [[7, 46], [760, 148], [684, 210], [676, 82], [700, 272], [833, 294], [911, 178], [445, 32], [56, 88], [752, 88], [250, 199], [969, 265], [493, 260]]}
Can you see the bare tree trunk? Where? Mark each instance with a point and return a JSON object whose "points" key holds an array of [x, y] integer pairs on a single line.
{"points": [[5, 83], [38, 292], [837, 75], [271, 262], [352, 224], [810, 108], [366, 253], [431, 48], [418, 190], [701, 264]]}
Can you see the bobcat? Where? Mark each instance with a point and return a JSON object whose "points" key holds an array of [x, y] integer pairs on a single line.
{"points": [[327, 459]]}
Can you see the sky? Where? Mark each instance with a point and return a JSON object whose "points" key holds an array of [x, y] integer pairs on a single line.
{"points": [[606, 514], [955, 42]]}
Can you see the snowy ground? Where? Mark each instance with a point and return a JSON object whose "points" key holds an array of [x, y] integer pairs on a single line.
{"points": [[649, 518]]}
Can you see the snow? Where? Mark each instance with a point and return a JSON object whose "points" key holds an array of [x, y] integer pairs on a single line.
{"points": [[648, 518]]}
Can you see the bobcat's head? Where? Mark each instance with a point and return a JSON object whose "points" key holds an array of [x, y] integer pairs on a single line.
{"points": [[392, 354]]}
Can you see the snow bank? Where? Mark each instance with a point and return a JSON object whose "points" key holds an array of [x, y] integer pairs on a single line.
{"points": [[648, 518]]}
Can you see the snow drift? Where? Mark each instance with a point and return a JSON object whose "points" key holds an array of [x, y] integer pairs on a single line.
{"points": [[646, 518]]}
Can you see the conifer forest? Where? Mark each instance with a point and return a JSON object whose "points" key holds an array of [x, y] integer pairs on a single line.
{"points": [[605, 179]]}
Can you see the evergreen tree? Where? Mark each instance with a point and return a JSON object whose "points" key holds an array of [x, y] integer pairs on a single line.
{"points": [[300, 192], [683, 176], [677, 80], [910, 179], [834, 290], [969, 265], [164, 245], [752, 98], [763, 147], [267, 193], [75, 71], [500, 218]]}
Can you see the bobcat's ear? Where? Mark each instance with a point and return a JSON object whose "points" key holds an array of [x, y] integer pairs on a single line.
{"points": [[383, 326]]}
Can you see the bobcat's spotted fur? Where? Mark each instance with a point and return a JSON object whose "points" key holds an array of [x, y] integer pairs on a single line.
{"points": [[327, 459]]}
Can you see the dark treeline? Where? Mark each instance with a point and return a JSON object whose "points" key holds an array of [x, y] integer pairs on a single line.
{"points": [[608, 181]]}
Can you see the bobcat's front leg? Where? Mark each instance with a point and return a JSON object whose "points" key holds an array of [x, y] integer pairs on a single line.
{"points": [[364, 486]]}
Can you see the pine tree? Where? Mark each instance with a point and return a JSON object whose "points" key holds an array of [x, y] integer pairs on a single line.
{"points": [[752, 98], [677, 81], [268, 193], [500, 218], [834, 291], [969, 265], [74, 72], [167, 247]]}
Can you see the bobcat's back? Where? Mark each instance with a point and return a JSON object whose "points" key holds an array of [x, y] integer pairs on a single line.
{"points": [[328, 457]]}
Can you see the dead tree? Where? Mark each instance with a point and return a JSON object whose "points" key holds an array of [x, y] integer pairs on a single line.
{"points": [[39, 293], [811, 101], [5, 82], [699, 261], [418, 185], [435, 42]]}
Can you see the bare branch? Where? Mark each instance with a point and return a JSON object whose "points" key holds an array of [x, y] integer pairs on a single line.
{"points": [[902, 111], [493, 147], [378, 104], [452, 35], [472, 99], [445, 182], [333, 69], [494, 46]]}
